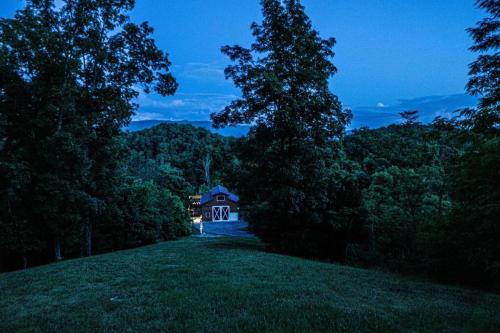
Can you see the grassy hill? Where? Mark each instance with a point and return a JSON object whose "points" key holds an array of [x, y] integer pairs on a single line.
{"points": [[231, 285]]}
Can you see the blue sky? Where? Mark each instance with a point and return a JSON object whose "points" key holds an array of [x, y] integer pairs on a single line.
{"points": [[388, 52]]}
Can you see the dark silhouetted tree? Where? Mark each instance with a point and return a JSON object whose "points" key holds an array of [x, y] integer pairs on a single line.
{"points": [[289, 187], [409, 118], [485, 71], [68, 79]]}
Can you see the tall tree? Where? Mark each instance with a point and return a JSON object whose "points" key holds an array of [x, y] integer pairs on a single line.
{"points": [[68, 79], [485, 71], [471, 248], [288, 157]]}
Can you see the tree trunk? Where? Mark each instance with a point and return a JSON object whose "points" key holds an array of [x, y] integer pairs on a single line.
{"points": [[441, 194], [372, 239], [57, 249], [348, 239], [206, 168], [88, 239], [25, 262]]}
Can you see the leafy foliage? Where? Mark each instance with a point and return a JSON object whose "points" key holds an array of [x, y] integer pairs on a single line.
{"points": [[470, 249], [68, 79], [485, 71], [288, 157], [178, 154]]}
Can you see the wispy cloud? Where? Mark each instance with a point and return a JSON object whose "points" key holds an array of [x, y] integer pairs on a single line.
{"points": [[154, 101], [429, 107], [147, 101], [197, 106], [199, 71], [207, 101], [192, 106], [148, 116]]}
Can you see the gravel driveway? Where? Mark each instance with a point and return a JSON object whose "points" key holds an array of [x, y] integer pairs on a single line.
{"points": [[235, 229]]}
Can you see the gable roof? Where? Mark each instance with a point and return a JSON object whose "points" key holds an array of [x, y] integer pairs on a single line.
{"points": [[219, 189]]}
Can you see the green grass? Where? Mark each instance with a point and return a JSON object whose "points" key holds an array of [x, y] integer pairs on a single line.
{"points": [[231, 285]]}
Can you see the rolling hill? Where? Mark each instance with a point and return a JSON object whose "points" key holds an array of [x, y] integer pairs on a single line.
{"points": [[235, 131], [231, 285]]}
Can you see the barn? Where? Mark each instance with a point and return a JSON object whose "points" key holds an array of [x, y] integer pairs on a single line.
{"points": [[219, 205]]}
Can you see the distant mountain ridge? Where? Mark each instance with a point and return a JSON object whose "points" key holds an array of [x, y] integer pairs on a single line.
{"points": [[429, 107], [236, 131], [372, 116]]}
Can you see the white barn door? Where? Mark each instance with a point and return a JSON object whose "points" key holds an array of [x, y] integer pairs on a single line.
{"points": [[220, 213]]}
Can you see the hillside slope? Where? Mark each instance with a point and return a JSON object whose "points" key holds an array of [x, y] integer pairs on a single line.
{"points": [[236, 131], [230, 285]]}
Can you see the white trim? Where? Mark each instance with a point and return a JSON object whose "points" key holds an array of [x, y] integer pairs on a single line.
{"points": [[220, 213], [218, 196]]}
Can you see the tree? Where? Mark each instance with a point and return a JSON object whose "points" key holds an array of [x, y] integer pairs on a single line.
{"points": [[395, 204], [68, 79], [185, 149], [409, 117], [470, 251], [485, 71], [175, 219], [288, 159], [468, 248], [206, 162]]}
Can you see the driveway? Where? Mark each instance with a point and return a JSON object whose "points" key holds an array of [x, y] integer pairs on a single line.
{"points": [[235, 229]]}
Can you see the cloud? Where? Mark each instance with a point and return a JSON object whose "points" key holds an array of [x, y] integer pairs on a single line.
{"points": [[429, 107], [153, 101], [210, 102], [197, 106], [191, 106], [147, 116], [177, 103], [199, 71]]}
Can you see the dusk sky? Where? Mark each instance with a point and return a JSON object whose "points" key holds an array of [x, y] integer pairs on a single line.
{"points": [[387, 50]]}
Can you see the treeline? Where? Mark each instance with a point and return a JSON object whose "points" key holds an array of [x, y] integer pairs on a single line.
{"points": [[146, 201], [417, 176], [409, 197], [189, 159]]}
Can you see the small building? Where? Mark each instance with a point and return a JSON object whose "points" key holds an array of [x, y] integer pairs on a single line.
{"points": [[195, 208], [219, 205]]}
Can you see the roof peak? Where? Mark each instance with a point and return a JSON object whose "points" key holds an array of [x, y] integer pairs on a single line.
{"points": [[219, 189]]}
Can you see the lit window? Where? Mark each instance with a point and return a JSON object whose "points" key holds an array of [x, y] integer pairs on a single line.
{"points": [[221, 198]]}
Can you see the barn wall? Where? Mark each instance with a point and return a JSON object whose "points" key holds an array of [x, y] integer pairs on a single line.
{"points": [[207, 208]]}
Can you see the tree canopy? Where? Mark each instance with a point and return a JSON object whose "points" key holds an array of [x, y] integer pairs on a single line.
{"points": [[68, 80], [484, 72], [297, 121]]}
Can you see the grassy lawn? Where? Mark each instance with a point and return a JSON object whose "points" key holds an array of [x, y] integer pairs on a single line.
{"points": [[231, 285]]}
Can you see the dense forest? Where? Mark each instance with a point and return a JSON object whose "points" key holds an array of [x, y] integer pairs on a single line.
{"points": [[410, 197], [416, 198], [68, 83]]}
